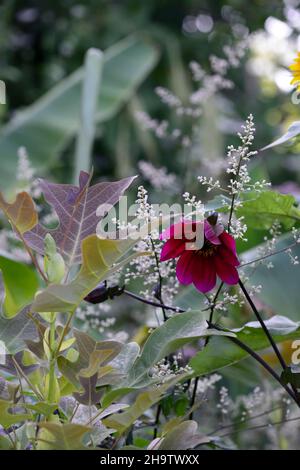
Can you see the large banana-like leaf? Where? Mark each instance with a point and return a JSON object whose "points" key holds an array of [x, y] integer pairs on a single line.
{"points": [[46, 127]]}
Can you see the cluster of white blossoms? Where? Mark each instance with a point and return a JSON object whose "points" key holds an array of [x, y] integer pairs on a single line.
{"points": [[156, 277], [207, 84], [240, 181], [92, 317], [26, 175], [159, 178], [207, 383], [224, 400], [168, 367], [227, 300]]}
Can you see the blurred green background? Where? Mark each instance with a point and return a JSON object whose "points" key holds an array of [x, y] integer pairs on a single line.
{"points": [[41, 43]]}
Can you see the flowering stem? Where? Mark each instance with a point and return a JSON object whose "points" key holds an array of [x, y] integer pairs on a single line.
{"points": [[277, 252], [160, 281]]}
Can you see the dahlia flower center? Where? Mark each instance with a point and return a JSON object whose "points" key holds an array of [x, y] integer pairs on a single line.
{"points": [[208, 249]]}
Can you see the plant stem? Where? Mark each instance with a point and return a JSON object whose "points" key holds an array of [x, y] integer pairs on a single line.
{"points": [[64, 332], [155, 430], [52, 362], [262, 323], [152, 303], [160, 279], [212, 308], [33, 258]]}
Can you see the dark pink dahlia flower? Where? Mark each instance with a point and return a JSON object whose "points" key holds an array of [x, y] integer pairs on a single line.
{"points": [[216, 257]]}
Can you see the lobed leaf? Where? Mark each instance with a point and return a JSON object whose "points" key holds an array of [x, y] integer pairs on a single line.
{"points": [[14, 332], [21, 213], [76, 208], [58, 436], [98, 257]]}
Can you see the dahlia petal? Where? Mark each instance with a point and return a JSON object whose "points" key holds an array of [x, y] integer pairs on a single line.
{"points": [[184, 268], [204, 273], [174, 231], [226, 272], [212, 233], [172, 249], [228, 241], [228, 256]]}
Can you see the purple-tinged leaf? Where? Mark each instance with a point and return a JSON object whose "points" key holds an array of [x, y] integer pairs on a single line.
{"points": [[76, 209]]}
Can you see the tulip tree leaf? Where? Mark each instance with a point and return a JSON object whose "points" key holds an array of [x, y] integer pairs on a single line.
{"points": [[8, 417], [98, 257], [292, 132], [92, 358], [14, 332], [67, 436], [76, 208], [21, 213], [20, 284], [268, 207], [12, 360], [221, 352], [179, 330], [89, 396], [182, 437]]}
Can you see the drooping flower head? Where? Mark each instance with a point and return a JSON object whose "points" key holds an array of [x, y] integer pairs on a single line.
{"points": [[201, 265], [295, 69]]}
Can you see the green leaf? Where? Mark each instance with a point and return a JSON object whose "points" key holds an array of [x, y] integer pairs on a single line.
{"points": [[42, 408], [122, 421], [182, 437], [66, 436], [292, 132], [7, 417], [179, 330], [121, 364], [221, 352], [20, 284], [98, 257], [14, 332], [89, 396], [267, 207], [46, 127], [92, 359]]}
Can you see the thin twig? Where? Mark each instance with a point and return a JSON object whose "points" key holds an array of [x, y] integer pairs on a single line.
{"points": [[152, 303]]}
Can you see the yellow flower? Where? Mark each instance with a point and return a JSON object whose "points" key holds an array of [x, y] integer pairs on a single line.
{"points": [[295, 69]]}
